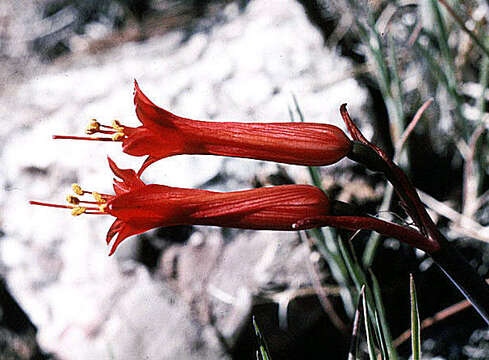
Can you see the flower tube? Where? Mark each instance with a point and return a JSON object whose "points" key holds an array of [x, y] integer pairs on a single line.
{"points": [[164, 134]]}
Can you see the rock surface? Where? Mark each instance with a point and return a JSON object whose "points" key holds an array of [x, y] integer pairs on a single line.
{"points": [[88, 306]]}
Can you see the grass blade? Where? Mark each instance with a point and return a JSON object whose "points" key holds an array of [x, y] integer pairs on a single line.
{"points": [[355, 336], [415, 332], [298, 108], [391, 350], [263, 347], [368, 326]]}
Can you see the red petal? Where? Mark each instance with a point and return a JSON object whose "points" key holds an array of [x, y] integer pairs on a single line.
{"points": [[114, 229], [129, 178], [129, 229], [158, 144], [150, 114]]}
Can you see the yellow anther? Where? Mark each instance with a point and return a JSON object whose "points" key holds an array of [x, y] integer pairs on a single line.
{"points": [[77, 189], [103, 207], [92, 127], [78, 210], [72, 199], [98, 197], [117, 136], [117, 125]]}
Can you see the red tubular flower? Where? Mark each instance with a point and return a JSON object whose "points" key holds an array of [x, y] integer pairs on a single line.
{"points": [[139, 207], [164, 134]]}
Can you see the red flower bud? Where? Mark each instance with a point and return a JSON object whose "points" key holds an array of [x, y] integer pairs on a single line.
{"points": [[164, 134]]}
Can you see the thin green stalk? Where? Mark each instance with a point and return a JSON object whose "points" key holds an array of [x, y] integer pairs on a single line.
{"points": [[379, 304], [415, 326], [380, 336], [368, 327], [298, 108], [442, 35], [397, 95], [441, 76], [357, 275], [263, 352], [448, 59], [355, 336]]}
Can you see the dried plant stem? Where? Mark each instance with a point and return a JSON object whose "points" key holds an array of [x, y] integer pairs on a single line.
{"points": [[409, 129], [439, 316], [460, 223]]}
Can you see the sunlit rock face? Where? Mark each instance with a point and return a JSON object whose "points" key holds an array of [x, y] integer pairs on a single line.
{"points": [[88, 306]]}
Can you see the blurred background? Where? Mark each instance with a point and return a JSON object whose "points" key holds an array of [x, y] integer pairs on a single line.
{"points": [[192, 292]]}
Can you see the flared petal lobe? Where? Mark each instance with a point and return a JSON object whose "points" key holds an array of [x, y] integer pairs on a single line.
{"points": [[130, 180], [164, 134]]}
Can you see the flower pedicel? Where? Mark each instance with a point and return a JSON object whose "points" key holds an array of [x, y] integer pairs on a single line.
{"points": [[164, 134]]}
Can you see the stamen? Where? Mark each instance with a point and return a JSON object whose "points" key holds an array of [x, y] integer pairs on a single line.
{"points": [[68, 137], [118, 136], [72, 199], [50, 205], [89, 202], [75, 210], [116, 125], [92, 127], [78, 210], [98, 198], [77, 189], [103, 208]]}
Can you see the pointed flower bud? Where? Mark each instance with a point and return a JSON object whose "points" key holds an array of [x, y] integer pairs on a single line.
{"points": [[164, 134]]}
